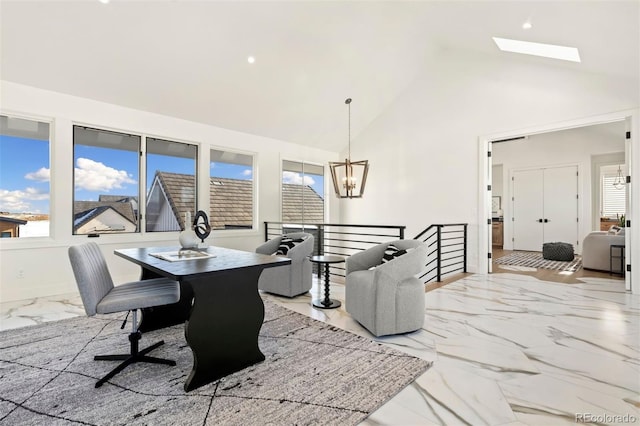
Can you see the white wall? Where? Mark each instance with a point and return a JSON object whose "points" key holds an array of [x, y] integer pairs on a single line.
{"points": [[424, 148], [33, 267], [566, 147]]}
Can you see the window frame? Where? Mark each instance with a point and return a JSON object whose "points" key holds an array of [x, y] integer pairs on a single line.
{"points": [[325, 199], [139, 229], [27, 242], [142, 208], [255, 226]]}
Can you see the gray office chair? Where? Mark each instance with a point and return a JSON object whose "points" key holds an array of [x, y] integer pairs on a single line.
{"points": [[100, 296]]}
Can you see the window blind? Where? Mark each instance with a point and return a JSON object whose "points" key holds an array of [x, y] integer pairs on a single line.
{"points": [[613, 200]]}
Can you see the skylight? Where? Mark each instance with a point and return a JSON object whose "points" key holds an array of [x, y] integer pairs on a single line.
{"points": [[538, 49]]}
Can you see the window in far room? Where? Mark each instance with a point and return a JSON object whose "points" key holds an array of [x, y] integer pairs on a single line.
{"points": [[612, 200], [232, 189], [106, 181], [24, 178], [171, 184]]}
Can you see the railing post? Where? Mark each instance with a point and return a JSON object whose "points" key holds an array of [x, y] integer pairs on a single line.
{"points": [[266, 231], [439, 253], [320, 248], [464, 258], [402, 233]]}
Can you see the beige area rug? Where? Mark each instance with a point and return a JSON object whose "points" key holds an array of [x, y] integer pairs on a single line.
{"points": [[533, 259], [314, 373]]}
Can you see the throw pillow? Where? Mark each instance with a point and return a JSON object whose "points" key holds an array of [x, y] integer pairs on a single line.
{"points": [[392, 252], [614, 230], [287, 244]]}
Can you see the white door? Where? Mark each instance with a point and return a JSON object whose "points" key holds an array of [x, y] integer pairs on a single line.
{"points": [[560, 218], [528, 199]]}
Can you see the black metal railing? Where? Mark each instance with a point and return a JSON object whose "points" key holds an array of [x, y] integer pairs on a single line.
{"points": [[447, 243], [338, 238], [447, 250]]}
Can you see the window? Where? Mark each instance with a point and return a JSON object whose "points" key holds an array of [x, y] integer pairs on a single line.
{"points": [[231, 190], [613, 200], [106, 181], [24, 178], [171, 184], [302, 192]]}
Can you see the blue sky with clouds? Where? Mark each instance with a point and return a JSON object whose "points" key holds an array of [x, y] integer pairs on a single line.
{"points": [[25, 173]]}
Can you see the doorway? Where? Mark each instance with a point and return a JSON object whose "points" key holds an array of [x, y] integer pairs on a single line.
{"points": [[558, 154]]}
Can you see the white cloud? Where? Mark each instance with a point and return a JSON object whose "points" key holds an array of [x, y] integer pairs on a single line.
{"points": [[42, 175], [296, 178], [95, 176], [18, 200], [247, 172]]}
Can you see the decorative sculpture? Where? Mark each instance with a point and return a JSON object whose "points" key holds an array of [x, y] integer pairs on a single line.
{"points": [[201, 225], [188, 238]]}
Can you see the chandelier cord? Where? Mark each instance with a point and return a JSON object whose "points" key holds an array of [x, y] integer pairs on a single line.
{"points": [[348, 102]]}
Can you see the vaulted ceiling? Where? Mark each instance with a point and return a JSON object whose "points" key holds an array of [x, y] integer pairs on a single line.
{"points": [[188, 59]]}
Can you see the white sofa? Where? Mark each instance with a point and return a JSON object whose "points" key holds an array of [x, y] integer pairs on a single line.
{"points": [[596, 249]]}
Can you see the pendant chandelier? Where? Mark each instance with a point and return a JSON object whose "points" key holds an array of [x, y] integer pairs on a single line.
{"points": [[620, 180], [349, 177]]}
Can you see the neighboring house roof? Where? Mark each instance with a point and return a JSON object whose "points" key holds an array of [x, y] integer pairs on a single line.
{"points": [[12, 220], [231, 200], [117, 198], [82, 217], [81, 208], [180, 193], [297, 197]]}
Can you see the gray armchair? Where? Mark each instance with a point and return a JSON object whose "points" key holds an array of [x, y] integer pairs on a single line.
{"points": [[388, 299], [289, 280]]}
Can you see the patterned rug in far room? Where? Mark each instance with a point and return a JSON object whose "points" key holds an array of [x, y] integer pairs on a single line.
{"points": [[534, 259]]}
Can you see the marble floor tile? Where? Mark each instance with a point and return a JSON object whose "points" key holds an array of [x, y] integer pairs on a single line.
{"points": [[487, 353], [42, 309], [507, 349], [542, 394], [456, 396], [602, 368]]}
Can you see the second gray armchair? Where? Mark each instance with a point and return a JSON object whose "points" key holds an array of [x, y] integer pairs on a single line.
{"points": [[289, 280], [387, 298]]}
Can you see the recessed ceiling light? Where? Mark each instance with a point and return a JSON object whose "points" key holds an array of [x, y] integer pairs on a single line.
{"points": [[104, 1], [527, 25], [538, 49], [251, 59]]}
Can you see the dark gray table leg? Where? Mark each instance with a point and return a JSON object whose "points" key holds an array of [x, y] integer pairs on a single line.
{"points": [[158, 317], [223, 327]]}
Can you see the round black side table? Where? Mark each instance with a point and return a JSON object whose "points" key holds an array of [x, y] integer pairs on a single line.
{"points": [[326, 303]]}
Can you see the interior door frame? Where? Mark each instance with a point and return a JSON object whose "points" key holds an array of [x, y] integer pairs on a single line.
{"points": [[632, 120]]}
